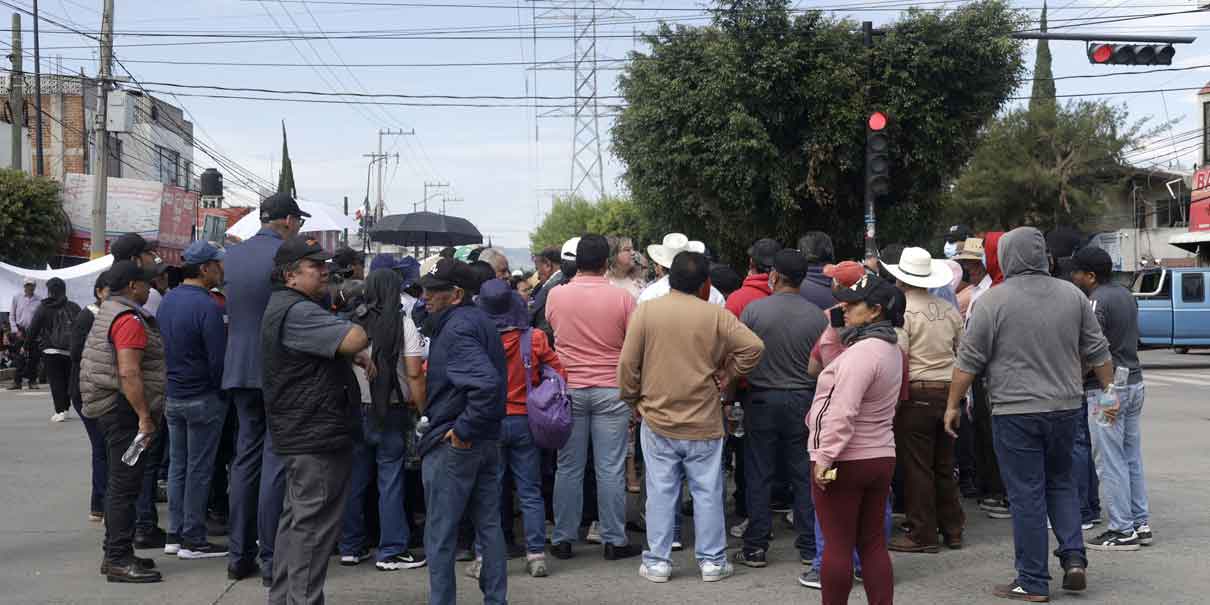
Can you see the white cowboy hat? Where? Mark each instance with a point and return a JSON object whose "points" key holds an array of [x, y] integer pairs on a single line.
{"points": [[918, 268], [674, 244]]}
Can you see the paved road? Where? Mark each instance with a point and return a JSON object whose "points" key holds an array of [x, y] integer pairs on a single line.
{"points": [[49, 551]]}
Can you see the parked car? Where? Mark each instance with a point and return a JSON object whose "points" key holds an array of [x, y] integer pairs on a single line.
{"points": [[1173, 310]]}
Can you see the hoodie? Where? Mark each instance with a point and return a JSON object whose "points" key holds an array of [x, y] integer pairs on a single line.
{"points": [[53, 319], [755, 287], [1031, 335]]}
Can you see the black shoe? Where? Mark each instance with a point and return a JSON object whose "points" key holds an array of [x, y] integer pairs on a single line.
{"points": [[403, 560], [779, 507], [613, 553], [216, 527], [1075, 578], [355, 558], [131, 572], [143, 562], [242, 570], [154, 538], [562, 550], [751, 557], [516, 551]]}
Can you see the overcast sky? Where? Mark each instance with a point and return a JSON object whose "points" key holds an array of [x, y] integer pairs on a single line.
{"points": [[502, 161]]}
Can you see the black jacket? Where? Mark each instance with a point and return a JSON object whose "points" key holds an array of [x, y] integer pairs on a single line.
{"points": [[79, 335], [537, 311], [51, 310]]}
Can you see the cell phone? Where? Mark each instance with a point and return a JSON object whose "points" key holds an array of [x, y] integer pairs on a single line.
{"points": [[836, 315]]}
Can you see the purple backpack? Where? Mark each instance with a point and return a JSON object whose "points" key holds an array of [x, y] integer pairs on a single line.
{"points": [[548, 407]]}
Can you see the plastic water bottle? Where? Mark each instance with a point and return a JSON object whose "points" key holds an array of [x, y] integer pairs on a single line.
{"points": [[131, 457], [422, 426], [737, 416], [1110, 399]]}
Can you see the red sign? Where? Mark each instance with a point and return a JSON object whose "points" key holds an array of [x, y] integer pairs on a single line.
{"points": [[1199, 215], [176, 217], [1201, 184]]}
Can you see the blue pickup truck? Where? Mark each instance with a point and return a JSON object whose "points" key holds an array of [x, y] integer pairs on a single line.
{"points": [[1173, 309]]}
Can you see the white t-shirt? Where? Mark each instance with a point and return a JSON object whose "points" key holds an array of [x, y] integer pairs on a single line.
{"points": [[412, 346], [661, 287], [153, 301]]}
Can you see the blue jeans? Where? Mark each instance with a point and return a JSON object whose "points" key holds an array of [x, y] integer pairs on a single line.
{"points": [[382, 449], [1083, 470], [1034, 451], [195, 427], [775, 428], [668, 462], [520, 458], [457, 480], [817, 562], [600, 416], [1119, 454], [270, 500]]}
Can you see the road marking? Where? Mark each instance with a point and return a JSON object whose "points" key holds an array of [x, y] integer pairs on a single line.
{"points": [[1169, 380]]}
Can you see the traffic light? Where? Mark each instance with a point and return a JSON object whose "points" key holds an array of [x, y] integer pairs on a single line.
{"points": [[877, 156], [1130, 54]]}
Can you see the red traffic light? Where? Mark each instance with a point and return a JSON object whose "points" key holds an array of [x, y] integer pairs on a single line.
{"points": [[877, 120], [1101, 53]]}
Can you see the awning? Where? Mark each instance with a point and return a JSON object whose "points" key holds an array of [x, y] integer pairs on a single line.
{"points": [[1190, 240]]}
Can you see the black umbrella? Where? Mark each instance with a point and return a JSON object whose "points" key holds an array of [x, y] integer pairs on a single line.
{"points": [[425, 229]]}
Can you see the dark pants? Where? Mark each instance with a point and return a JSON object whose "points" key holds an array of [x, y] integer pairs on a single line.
{"points": [[120, 426], [1084, 471], [219, 502], [58, 374], [147, 515], [245, 481], [100, 458], [455, 481], [926, 458], [1035, 461], [964, 452], [775, 430], [851, 512], [989, 485], [25, 360], [309, 525]]}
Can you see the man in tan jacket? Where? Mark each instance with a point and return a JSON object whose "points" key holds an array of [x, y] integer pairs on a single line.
{"points": [[678, 350]]}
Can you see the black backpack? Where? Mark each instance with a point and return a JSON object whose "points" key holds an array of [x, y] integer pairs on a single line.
{"points": [[58, 333]]}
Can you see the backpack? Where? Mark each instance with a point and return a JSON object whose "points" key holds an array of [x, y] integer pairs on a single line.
{"points": [[548, 406], [58, 334]]}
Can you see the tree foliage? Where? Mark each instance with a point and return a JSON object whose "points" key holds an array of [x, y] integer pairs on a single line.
{"points": [[754, 126], [571, 216], [33, 225], [1028, 173]]}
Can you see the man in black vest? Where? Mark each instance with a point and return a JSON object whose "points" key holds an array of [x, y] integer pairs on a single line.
{"points": [[310, 394]]}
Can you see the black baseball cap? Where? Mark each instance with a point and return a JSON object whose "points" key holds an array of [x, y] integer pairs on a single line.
{"points": [[347, 257], [130, 245], [448, 273], [1091, 259], [125, 271], [298, 248], [764, 251], [872, 290], [280, 205], [958, 233], [790, 263]]}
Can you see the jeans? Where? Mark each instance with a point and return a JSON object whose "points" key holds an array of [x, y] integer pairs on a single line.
{"points": [[58, 371], [519, 458], [852, 510], [195, 426], [1119, 454], [455, 481], [600, 416], [1083, 471], [119, 426], [1035, 461], [147, 516], [668, 462], [775, 429], [309, 525], [380, 450], [100, 457], [244, 480]]}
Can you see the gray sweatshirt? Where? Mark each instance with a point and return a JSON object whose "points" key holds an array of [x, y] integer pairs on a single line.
{"points": [[1032, 334]]}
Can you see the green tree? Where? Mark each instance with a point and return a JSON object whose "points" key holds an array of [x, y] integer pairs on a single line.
{"points": [[1028, 173], [1042, 101], [754, 126], [33, 225], [571, 216], [285, 181]]}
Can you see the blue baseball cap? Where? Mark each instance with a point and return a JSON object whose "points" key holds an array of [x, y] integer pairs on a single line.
{"points": [[201, 252]]}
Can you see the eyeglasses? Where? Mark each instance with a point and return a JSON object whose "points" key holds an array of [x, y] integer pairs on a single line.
{"points": [[301, 221]]}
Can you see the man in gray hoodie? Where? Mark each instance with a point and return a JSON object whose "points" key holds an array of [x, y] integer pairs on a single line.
{"points": [[1032, 336]]}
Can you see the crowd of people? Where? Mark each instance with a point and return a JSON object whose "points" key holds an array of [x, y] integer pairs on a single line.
{"points": [[309, 406]]}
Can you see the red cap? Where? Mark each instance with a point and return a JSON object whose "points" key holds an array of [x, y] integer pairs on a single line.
{"points": [[846, 273]]}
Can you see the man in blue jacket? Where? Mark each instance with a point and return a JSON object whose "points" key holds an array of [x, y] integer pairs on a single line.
{"points": [[467, 387]]}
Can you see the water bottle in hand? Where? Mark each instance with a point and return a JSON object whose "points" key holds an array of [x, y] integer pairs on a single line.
{"points": [[1106, 402], [736, 415], [131, 457]]}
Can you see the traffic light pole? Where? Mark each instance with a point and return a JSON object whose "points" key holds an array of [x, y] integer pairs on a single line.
{"points": [[871, 243], [1086, 37]]}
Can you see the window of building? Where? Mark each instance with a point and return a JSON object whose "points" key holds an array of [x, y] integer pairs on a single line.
{"points": [[168, 164], [1193, 288], [114, 166], [186, 175], [214, 229]]}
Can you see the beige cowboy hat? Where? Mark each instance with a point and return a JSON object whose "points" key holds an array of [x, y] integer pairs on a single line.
{"points": [[918, 268], [971, 249], [673, 244]]}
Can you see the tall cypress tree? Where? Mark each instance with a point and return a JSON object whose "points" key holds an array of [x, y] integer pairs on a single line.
{"points": [[285, 181], [1042, 105]]}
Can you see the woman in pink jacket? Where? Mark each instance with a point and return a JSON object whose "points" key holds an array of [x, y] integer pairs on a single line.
{"points": [[850, 428]]}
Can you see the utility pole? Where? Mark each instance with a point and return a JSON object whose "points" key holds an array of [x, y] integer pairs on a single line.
{"points": [[427, 184], [366, 218], [38, 85], [102, 185], [871, 243], [346, 239], [378, 209], [16, 91], [449, 200]]}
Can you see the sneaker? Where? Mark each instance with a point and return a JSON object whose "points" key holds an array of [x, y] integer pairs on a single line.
{"points": [[625, 551], [60, 417], [172, 544], [474, 569], [713, 572], [737, 531], [857, 577], [1144, 534], [751, 557], [355, 558], [1113, 540], [810, 579], [677, 546], [536, 567], [96, 517], [1085, 526], [594, 533], [996, 508], [656, 572], [403, 560], [1015, 592], [205, 550], [779, 507], [790, 518], [561, 550]]}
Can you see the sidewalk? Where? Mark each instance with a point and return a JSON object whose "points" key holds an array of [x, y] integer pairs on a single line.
{"points": [[1166, 359]]}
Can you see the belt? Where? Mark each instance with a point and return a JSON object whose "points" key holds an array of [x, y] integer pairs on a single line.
{"points": [[929, 384]]}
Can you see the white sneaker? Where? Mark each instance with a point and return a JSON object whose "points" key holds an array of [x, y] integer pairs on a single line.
{"points": [[737, 531], [60, 417], [790, 517], [594, 533], [656, 572], [677, 546], [713, 572]]}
